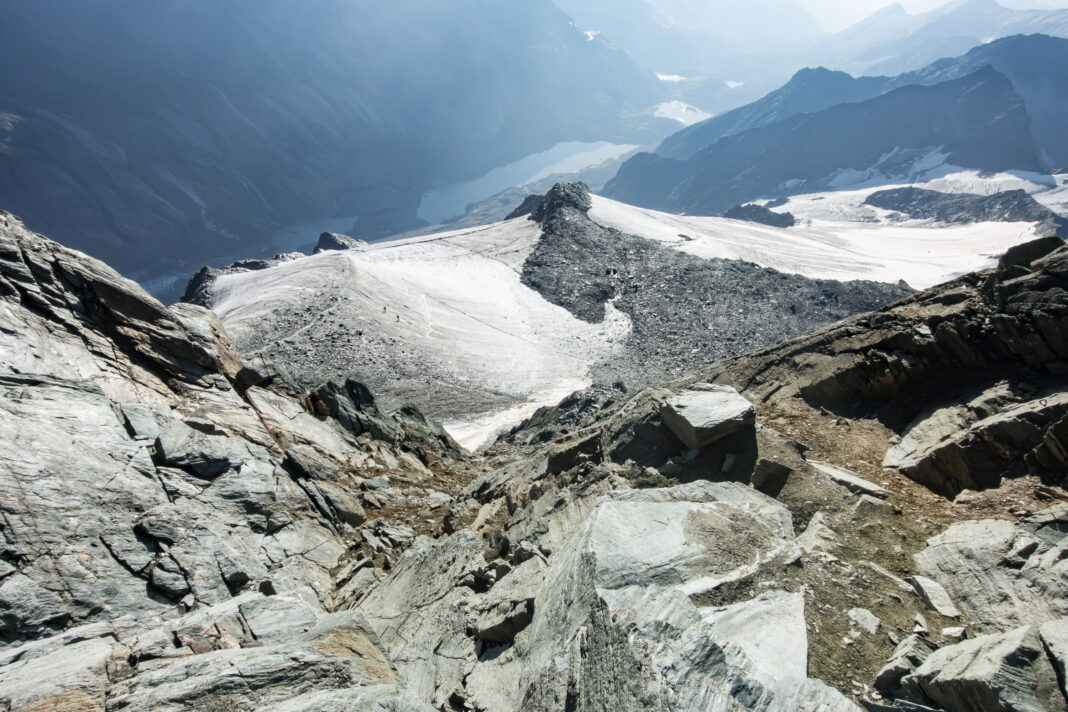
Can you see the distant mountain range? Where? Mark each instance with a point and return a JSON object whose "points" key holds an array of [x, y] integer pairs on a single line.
{"points": [[720, 55], [162, 136], [995, 108], [892, 41], [159, 136], [1034, 64]]}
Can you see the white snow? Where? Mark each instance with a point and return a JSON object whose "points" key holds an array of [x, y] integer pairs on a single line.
{"points": [[934, 174], [734, 85], [456, 307], [682, 112], [920, 253], [481, 430], [456, 310]]}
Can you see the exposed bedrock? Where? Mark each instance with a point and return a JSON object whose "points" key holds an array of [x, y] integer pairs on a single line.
{"points": [[184, 530]]}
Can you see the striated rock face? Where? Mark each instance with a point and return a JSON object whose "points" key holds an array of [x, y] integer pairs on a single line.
{"points": [[160, 547], [1009, 671], [1004, 574], [613, 619]]}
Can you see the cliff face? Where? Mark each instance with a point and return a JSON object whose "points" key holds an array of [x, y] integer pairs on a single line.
{"points": [[182, 530], [177, 526]]}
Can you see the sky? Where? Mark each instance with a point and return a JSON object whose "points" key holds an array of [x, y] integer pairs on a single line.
{"points": [[838, 14]]}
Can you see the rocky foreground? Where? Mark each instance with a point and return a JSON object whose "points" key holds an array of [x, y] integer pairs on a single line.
{"points": [[870, 516]]}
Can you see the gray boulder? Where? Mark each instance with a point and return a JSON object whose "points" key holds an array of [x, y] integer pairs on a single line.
{"points": [[935, 596], [850, 480], [707, 413], [1001, 574], [1005, 672], [909, 654]]}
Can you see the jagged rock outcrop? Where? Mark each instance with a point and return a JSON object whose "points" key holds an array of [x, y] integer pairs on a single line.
{"points": [[1008, 671], [334, 241], [987, 350], [199, 288], [613, 619], [1001, 573], [160, 549], [752, 212], [1008, 206]]}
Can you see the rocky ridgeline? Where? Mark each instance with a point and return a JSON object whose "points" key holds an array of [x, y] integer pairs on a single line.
{"points": [[760, 214], [183, 531], [963, 208], [685, 311]]}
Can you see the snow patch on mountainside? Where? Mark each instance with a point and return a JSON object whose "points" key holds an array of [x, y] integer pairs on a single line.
{"points": [[442, 321], [832, 246], [848, 205], [682, 112]]}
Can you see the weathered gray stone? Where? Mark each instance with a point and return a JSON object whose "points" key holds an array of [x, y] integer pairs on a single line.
{"points": [[908, 655], [1001, 575], [179, 445], [345, 507], [26, 605], [707, 413], [964, 445], [502, 623], [868, 507], [143, 421], [850, 480], [1055, 639], [769, 476], [935, 596], [865, 620], [818, 536], [1006, 672]]}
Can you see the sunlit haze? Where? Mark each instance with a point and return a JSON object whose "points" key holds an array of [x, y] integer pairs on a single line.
{"points": [[834, 15]]}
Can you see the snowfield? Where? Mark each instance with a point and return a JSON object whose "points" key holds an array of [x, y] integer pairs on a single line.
{"points": [[839, 238], [444, 314], [444, 322]]}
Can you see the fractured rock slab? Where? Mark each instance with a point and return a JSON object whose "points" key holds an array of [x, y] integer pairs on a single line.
{"points": [[1007, 672], [850, 480], [707, 413], [935, 596]]}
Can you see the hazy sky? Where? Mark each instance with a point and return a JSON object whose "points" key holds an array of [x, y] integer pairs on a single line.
{"points": [[839, 14]]}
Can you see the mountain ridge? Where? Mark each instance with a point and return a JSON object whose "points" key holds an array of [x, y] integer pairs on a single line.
{"points": [[967, 117]]}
